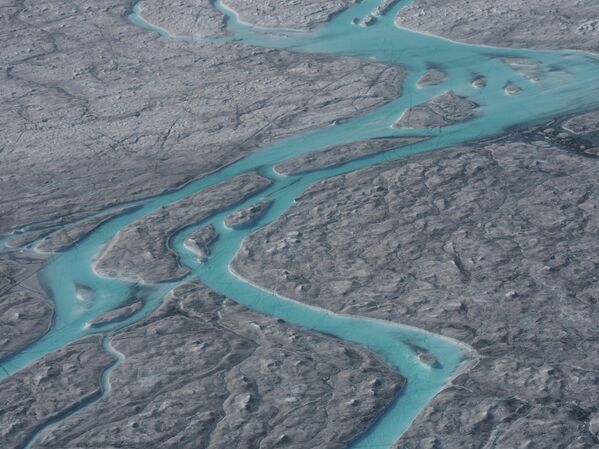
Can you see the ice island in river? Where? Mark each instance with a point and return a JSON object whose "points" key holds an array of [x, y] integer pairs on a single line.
{"points": [[297, 224]]}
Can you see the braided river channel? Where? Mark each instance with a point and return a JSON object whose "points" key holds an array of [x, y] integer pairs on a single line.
{"points": [[568, 83]]}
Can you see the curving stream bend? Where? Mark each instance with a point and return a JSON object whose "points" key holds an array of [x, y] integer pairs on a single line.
{"points": [[568, 84]]}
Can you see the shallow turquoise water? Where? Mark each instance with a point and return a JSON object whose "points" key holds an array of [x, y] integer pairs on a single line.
{"points": [[569, 83]]}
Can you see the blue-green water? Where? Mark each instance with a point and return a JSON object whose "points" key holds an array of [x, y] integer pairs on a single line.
{"points": [[569, 83]]}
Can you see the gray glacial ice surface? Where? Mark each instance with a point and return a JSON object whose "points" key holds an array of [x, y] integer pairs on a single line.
{"points": [[25, 311], [178, 151], [287, 13], [252, 381], [51, 388], [141, 251], [553, 24], [340, 154], [587, 123], [24, 317], [188, 17], [64, 237], [127, 124], [492, 245]]}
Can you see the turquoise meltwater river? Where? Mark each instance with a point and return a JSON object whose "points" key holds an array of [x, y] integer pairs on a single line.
{"points": [[568, 82]]}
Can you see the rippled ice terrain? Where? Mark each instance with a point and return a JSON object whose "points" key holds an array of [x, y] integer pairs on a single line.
{"points": [[563, 81]]}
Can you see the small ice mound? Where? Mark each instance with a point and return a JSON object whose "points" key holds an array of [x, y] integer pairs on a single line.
{"points": [[432, 77], [429, 359], [443, 110], [479, 82], [424, 356], [200, 242], [247, 217], [83, 292], [368, 21], [116, 315], [512, 89]]}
